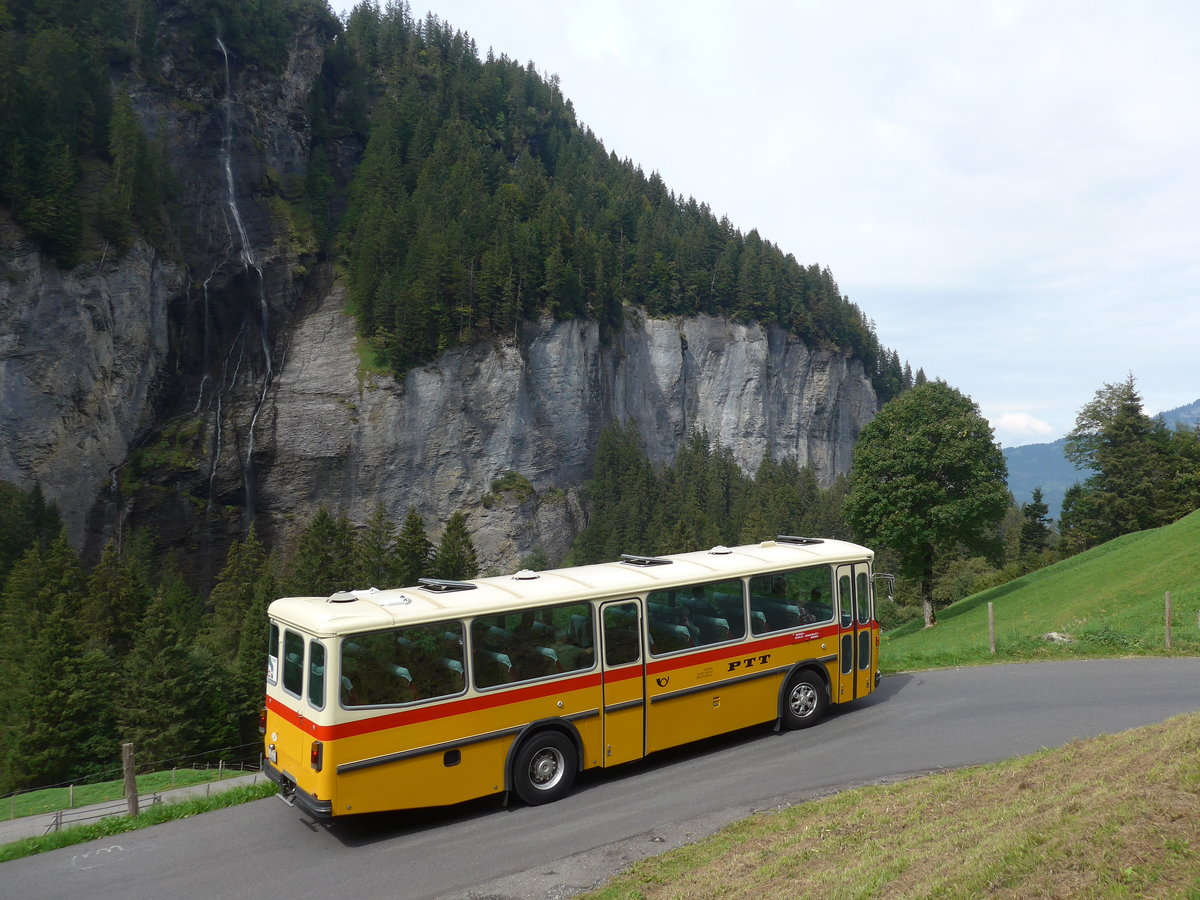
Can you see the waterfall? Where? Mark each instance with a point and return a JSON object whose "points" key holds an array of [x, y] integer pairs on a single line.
{"points": [[248, 262], [247, 253]]}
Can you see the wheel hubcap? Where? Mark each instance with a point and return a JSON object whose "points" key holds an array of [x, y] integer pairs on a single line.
{"points": [[546, 768], [803, 700]]}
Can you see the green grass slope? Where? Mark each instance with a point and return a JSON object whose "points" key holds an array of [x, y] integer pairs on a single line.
{"points": [[1109, 601]]}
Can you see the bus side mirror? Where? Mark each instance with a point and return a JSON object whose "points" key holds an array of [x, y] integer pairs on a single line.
{"points": [[889, 585]]}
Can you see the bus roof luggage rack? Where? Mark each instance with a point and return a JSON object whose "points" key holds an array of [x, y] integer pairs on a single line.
{"points": [[634, 560], [792, 539], [442, 585]]}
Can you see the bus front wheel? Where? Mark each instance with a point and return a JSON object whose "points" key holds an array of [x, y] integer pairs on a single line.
{"points": [[804, 700], [545, 768]]}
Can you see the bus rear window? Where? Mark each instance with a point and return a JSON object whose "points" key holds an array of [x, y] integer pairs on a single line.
{"points": [[273, 654], [293, 662]]}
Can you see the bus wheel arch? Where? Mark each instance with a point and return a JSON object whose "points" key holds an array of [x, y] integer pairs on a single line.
{"points": [[543, 762], [803, 698]]}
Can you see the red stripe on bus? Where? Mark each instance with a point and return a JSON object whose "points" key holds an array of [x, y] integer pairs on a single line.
{"points": [[433, 711]]}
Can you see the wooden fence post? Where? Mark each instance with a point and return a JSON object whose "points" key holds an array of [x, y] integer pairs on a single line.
{"points": [[991, 628], [1167, 629], [131, 794]]}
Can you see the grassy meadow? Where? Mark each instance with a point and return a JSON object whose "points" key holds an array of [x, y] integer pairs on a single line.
{"points": [[1116, 816], [1109, 601]]}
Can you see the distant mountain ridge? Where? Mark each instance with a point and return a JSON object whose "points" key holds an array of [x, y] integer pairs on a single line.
{"points": [[1183, 415], [1046, 465]]}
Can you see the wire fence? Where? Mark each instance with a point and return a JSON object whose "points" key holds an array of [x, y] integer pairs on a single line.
{"points": [[63, 797], [65, 818]]}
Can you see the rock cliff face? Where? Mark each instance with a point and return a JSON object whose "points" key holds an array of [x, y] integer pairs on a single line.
{"points": [[197, 390], [80, 357], [437, 440]]}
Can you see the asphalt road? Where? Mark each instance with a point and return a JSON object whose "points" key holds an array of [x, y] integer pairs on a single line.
{"points": [[914, 724]]}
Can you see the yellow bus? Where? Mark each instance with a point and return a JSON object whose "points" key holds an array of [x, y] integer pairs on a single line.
{"points": [[453, 690]]}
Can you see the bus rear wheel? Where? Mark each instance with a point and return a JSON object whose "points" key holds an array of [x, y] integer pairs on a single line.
{"points": [[545, 768], [804, 700]]}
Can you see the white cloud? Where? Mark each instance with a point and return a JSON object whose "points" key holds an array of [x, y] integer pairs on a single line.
{"points": [[1021, 425]]}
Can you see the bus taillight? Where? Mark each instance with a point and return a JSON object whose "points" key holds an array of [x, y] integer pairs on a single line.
{"points": [[262, 721], [316, 755]]}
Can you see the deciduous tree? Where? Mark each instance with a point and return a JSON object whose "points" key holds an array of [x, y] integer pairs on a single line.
{"points": [[927, 478]]}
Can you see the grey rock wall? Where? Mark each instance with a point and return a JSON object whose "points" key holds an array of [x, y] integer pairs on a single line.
{"points": [[436, 441], [80, 355]]}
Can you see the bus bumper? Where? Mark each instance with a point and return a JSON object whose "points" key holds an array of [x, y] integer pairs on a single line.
{"points": [[293, 795]]}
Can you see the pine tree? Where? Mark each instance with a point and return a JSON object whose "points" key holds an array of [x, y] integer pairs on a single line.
{"points": [[1035, 529], [52, 215], [324, 560], [1133, 465], [455, 556], [234, 597], [376, 552], [115, 603], [414, 552], [161, 692], [181, 605], [45, 702]]}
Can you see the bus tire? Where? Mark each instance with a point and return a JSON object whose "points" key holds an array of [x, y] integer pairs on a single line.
{"points": [[544, 768], [804, 700]]}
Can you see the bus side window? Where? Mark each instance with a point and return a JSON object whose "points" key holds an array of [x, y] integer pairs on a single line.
{"points": [[531, 643], [783, 600], [695, 615], [421, 662], [621, 643]]}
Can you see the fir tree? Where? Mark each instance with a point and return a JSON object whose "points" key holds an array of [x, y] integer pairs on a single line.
{"points": [[376, 552], [414, 551], [324, 560], [46, 703], [455, 556], [236, 595], [1035, 529], [161, 691], [115, 602]]}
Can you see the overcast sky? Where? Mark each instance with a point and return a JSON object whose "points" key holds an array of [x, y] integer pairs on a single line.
{"points": [[1009, 189]]}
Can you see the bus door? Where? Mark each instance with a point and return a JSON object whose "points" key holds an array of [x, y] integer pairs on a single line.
{"points": [[856, 640], [624, 673]]}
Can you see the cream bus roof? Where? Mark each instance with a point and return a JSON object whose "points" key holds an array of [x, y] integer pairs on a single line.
{"points": [[364, 610]]}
